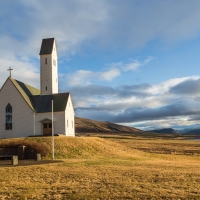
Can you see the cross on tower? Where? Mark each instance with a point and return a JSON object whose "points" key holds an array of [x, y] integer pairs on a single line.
{"points": [[10, 69]]}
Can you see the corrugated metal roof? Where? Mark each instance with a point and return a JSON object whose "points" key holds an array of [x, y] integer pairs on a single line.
{"points": [[25, 90], [47, 46], [42, 103]]}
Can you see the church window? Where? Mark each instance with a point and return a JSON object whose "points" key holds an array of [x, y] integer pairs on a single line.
{"points": [[46, 87], [72, 124], [67, 123], [45, 61], [54, 62], [8, 117]]}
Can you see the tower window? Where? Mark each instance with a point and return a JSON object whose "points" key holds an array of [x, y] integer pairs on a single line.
{"points": [[72, 124], [67, 123], [54, 62], [45, 61], [46, 87], [8, 125]]}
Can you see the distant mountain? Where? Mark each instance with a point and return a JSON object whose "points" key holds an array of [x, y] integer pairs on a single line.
{"points": [[83, 125], [194, 131], [183, 131], [164, 130]]}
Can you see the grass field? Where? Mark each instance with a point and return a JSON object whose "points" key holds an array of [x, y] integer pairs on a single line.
{"points": [[102, 168]]}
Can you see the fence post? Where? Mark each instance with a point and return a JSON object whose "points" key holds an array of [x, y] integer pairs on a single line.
{"points": [[37, 156], [14, 160], [21, 152]]}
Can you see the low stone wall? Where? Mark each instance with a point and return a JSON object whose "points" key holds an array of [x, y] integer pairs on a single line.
{"points": [[8, 151], [22, 152]]}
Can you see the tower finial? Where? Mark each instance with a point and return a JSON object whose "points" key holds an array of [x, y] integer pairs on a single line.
{"points": [[10, 69]]}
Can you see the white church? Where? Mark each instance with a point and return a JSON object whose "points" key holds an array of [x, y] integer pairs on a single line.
{"points": [[27, 111]]}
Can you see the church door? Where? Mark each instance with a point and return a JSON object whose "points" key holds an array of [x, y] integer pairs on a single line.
{"points": [[47, 128]]}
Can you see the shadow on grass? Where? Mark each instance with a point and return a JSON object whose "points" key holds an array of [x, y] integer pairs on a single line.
{"points": [[8, 163]]}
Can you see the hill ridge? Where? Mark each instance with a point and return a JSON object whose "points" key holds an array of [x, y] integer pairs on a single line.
{"points": [[84, 125]]}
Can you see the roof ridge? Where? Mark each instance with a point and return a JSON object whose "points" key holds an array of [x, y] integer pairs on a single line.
{"points": [[24, 83], [52, 94], [25, 90]]}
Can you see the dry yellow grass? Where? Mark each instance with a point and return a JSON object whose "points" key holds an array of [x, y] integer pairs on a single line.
{"points": [[178, 147], [103, 169]]}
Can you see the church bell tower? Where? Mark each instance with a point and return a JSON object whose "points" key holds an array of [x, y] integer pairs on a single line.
{"points": [[48, 67]]}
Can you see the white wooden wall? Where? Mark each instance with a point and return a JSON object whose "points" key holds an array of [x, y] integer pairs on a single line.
{"points": [[59, 123], [54, 70], [22, 117], [69, 118]]}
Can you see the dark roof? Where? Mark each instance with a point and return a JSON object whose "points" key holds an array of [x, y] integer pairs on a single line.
{"points": [[47, 46], [42, 103], [25, 90]]}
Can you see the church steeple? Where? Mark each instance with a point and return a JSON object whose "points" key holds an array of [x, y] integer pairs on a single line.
{"points": [[48, 67]]}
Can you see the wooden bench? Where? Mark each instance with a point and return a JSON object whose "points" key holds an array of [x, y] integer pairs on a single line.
{"points": [[14, 158]]}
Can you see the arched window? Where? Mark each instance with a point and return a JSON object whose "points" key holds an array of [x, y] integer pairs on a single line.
{"points": [[8, 117]]}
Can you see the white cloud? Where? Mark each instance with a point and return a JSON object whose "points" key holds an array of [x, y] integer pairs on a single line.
{"points": [[163, 87], [85, 77], [136, 64], [175, 122], [163, 20], [114, 70], [109, 75], [131, 66], [26, 72], [71, 22], [99, 23]]}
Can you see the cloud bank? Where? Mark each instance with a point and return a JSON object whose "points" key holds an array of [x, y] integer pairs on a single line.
{"points": [[176, 99]]}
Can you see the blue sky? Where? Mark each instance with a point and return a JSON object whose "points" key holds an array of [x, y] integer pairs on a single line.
{"points": [[131, 62]]}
